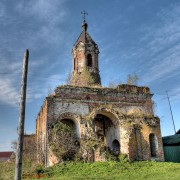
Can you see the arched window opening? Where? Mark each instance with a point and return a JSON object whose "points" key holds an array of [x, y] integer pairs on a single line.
{"points": [[116, 146], [89, 60], [65, 139], [153, 145], [74, 64]]}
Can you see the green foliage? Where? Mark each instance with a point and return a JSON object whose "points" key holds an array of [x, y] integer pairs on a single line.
{"points": [[39, 169], [110, 156], [69, 78], [90, 143], [88, 146], [100, 170], [62, 141], [88, 76], [123, 158], [115, 170], [132, 79], [112, 84], [7, 170]]}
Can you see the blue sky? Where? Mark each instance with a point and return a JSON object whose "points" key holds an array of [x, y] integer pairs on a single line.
{"points": [[133, 36]]}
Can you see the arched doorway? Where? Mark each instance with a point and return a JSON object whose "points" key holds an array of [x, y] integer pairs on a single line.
{"points": [[64, 141], [105, 130], [73, 131], [116, 147], [153, 145]]}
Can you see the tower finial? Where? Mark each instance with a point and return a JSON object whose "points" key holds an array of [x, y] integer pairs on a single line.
{"points": [[84, 13], [84, 24]]}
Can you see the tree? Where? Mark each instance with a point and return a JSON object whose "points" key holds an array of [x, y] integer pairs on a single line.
{"points": [[112, 84], [132, 79], [89, 144], [14, 145], [69, 78], [29, 147]]}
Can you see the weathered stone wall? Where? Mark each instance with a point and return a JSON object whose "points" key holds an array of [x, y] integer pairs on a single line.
{"points": [[41, 133], [135, 132], [124, 100], [129, 110]]}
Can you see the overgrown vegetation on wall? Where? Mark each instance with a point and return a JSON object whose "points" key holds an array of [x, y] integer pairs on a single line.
{"points": [[88, 76], [63, 142], [66, 146], [89, 144], [132, 79]]}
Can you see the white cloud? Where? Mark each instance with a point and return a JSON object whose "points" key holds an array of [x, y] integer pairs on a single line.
{"points": [[40, 8], [10, 80], [36, 24], [167, 65], [9, 94], [175, 95], [163, 46]]}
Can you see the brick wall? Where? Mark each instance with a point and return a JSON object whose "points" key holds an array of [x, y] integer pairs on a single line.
{"points": [[128, 107]]}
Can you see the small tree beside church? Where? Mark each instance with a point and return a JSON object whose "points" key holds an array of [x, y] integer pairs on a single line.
{"points": [[29, 147]]}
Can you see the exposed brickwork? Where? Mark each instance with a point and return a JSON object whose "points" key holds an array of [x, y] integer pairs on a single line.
{"points": [[41, 131], [85, 61], [130, 113]]}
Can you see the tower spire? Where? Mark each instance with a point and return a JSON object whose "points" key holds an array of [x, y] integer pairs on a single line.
{"points": [[85, 59]]}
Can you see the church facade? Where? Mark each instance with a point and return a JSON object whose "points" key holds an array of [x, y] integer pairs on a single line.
{"points": [[120, 119]]}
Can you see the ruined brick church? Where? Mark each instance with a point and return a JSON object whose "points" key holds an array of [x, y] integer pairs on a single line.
{"points": [[121, 118]]}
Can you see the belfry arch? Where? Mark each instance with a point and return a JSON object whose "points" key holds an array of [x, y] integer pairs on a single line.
{"points": [[89, 60]]}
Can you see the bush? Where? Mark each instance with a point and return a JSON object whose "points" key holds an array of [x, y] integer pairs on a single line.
{"points": [[110, 157], [39, 170], [123, 158]]}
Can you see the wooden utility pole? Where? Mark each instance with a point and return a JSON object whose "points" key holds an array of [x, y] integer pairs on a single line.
{"points": [[18, 168]]}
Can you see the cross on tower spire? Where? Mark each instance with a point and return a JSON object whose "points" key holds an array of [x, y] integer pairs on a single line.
{"points": [[84, 13]]}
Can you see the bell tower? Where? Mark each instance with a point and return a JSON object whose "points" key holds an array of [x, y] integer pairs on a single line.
{"points": [[85, 60]]}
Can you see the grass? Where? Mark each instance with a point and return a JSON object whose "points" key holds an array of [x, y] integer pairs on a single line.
{"points": [[110, 170], [7, 169], [115, 170]]}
